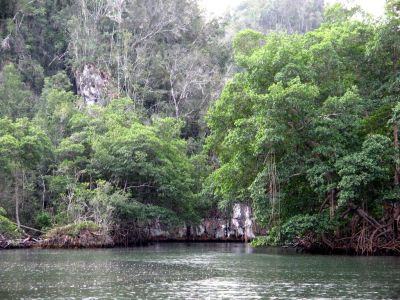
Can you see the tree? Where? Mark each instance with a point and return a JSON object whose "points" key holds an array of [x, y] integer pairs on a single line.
{"points": [[33, 37], [148, 161], [22, 147], [295, 115], [363, 173], [16, 101], [289, 16], [56, 107], [162, 54], [335, 135]]}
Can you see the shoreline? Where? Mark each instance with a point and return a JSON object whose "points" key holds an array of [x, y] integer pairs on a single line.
{"points": [[290, 249]]}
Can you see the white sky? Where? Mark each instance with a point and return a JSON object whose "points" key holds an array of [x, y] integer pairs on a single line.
{"points": [[218, 7]]}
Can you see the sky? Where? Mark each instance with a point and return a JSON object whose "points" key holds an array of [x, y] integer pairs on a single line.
{"points": [[218, 7]]}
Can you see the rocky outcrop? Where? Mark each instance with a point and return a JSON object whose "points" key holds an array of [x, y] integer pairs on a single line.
{"points": [[85, 239], [77, 235], [238, 227], [94, 85]]}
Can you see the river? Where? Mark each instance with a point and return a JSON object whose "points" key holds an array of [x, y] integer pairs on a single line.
{"points": [[194, 271]]}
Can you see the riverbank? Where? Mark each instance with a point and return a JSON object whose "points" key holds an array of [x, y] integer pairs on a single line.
{"points": [[310, 245], [93, 241], [89, 235], [363, 239], [17, 243]]}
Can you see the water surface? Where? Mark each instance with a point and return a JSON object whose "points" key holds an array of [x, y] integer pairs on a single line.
{"points": [[194, 271]]}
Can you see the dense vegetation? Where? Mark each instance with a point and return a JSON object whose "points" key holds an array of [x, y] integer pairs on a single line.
{"points": [[129, 160], [310, 127], [306, 131], [289, 16]]}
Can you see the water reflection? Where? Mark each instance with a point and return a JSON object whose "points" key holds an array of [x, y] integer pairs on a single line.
{"points": [[194, 271]]}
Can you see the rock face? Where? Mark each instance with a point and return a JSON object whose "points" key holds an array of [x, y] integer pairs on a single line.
{"points": [[239, 227], [94, 85], [85, 239]]}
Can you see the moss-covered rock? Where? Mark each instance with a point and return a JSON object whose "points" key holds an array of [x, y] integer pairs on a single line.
{"points": [[72, 230], [79, 235]]}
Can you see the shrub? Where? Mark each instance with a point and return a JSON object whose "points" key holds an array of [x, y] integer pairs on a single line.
{"points": [[43, 220], [296, 227], [3, 212], [272, 239], [7, 228]]}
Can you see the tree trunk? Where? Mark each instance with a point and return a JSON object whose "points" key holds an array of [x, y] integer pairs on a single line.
{"points": [[16, 198], [396, 148], [332, 200], [43, 192]]}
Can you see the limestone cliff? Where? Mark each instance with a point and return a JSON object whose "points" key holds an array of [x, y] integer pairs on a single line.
{"points": [[238, 227], [94, 85]]}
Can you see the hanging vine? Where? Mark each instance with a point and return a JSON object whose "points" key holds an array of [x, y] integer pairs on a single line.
{"points": [[265, 192]]}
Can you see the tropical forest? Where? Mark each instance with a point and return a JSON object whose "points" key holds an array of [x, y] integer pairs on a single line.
{"points": [[139, 127]]}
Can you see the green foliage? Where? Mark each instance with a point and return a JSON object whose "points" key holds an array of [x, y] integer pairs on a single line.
{"points": [[324, 108], [9, 229], [55, 107], [337, 13], [261, 199], [35, 38], [111, 166], [308, 120], [142, 213], [297, 227], [360, 170], [43, 220], [246, 42], [3, 212], [278, 15], [22, 145], [73, 230], [377, 121], [149, 161], [272, 239], [16, 100]]}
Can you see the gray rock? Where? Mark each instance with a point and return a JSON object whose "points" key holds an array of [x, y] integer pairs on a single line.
{"points": [[238, 227], [94, 85]]}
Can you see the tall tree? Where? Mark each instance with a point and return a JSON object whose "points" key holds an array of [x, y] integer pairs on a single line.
{"points": [[22, 147], [16, 100]]}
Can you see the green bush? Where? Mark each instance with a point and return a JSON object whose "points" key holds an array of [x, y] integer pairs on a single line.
{"points": [[272, 239], [139, 212], [296, 227], [61, 218], [8, 229], [3, 212], [43, 220]]}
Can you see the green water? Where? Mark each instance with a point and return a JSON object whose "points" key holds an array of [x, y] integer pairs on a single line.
{"points": [[194, 271]]}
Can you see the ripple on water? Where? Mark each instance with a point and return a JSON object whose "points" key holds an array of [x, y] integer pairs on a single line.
{"points": [[180, 271]]}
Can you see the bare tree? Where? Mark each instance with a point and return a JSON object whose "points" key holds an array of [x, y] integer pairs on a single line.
{"points": [[156, 52]]}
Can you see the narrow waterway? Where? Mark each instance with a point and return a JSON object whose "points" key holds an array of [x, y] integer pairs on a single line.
{"points": [[194, 271]]}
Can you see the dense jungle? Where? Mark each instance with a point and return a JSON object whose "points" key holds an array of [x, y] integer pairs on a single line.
{"points": [[120, 119]]}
